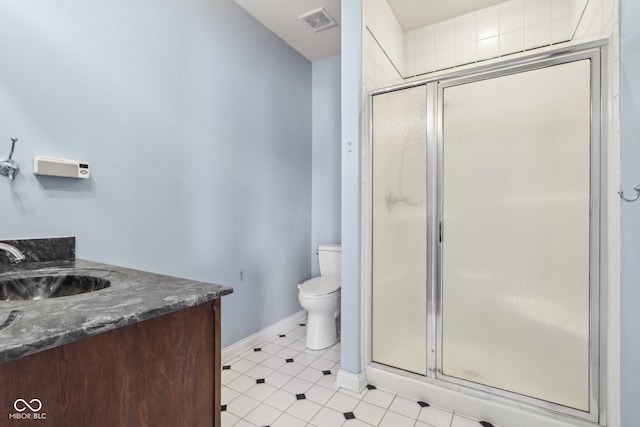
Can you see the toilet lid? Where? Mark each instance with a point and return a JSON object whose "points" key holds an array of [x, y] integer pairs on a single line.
{"points": [[320, 286]]}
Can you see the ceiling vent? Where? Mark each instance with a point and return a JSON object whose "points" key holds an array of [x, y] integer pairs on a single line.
{"points": [[318, 20]]}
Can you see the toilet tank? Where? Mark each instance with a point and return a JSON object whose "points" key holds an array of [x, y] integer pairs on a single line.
{"points": [[329, 259]]}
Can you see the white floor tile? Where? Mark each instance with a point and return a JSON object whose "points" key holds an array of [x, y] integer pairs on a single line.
{"points": [[242, 405], [274, 362], [305, 359], [435, 417], [261, 391], [298, 345], [323, 364], [278, 379], [297, 386], [263, 415], [353, 394], [327, 417], [228, 394], [328, 381], [283, 341], [319, 394], [391, 419], [460, 421], [287, 353], [298, 332], [379, 398], [281, 399], [287, 420], [292, 368], [228, 419], [272, 348], [355, 423], [332, 355], [342, 403], [259, 371], [310, 374], [228, 375], [257, 356], [406, 407], [274, 402], [314, 352], [242, 383], [242, 365], [369, 413], [304, 409]]}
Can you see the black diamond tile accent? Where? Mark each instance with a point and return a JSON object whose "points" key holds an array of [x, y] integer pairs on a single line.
{"points": [[423, 404], [257, 349], [289, 360], [300, 396], [486, 424], [281, 335], [225, 367], [348, 416], [223, 408], [371, 387], [326, 372], [260, 381]]}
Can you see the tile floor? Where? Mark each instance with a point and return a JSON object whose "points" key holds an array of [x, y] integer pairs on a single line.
{"points": [[282, 384]]}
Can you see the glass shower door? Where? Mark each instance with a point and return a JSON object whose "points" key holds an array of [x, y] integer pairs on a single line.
{"points": [[515, 153], [399, 229]]}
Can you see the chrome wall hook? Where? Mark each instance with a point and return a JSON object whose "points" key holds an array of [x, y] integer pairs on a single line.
{"points": [[637, 190]]}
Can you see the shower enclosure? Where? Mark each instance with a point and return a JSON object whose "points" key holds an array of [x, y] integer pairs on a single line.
{"points": [[487, 266]]}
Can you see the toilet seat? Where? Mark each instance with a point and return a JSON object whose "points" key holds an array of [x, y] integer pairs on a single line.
{"points": [[319, 287]]}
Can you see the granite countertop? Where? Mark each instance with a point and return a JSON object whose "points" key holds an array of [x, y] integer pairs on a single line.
{"points": [[27, 327]]}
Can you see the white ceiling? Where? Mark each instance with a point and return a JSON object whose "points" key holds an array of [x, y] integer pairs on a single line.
{"points": [[281, 17], [412, 14]]}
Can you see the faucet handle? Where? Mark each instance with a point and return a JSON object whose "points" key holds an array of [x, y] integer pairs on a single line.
{"points": [[13, 145]]}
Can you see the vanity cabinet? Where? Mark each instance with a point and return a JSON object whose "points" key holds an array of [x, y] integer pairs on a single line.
{"points": [[159, 372]]}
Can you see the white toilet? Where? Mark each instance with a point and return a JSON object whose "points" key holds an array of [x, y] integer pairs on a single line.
{"points": [[320, 296]]}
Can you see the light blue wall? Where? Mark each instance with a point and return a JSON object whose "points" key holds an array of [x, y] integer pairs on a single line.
{"points": [[630, 239], [196, 121], [325, 226], [351, 71]]}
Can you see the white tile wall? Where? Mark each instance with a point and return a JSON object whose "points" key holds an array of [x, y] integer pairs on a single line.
{"points": [[504, 29], [383, 24]]}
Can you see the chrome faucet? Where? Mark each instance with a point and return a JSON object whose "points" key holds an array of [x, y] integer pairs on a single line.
{"points": [[13, 253], [9, 167]]}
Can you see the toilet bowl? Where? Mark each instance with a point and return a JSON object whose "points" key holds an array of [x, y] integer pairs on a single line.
{"points": [[320, 296]]}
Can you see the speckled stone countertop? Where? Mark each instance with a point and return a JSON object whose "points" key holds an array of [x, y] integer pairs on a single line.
{"points": [[133, 296]]}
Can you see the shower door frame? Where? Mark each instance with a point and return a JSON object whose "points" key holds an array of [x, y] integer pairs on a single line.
{"points": [[597, 53]]}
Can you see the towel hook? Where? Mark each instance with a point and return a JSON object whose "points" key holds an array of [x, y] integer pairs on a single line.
{"points": [[637, 190]]}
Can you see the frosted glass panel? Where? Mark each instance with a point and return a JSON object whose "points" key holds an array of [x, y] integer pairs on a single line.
{"points": [[399, 329], [515, 252]]}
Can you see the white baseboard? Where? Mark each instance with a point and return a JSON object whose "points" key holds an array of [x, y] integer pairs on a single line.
{"points": [[350, 381], [248, 343]]}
